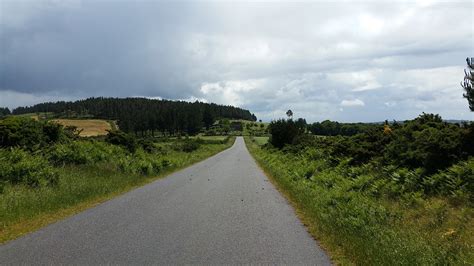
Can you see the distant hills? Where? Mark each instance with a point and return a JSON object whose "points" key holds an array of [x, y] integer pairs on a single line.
{"points": [[143, 115]]}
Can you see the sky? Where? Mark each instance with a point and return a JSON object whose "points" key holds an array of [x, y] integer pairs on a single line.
{"points": [[350, 61]]}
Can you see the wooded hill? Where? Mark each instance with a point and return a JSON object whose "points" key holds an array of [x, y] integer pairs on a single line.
{"points": [[142, 115]]}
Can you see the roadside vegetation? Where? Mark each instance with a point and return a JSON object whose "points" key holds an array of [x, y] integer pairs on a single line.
{"points": [[393, 193], [48, 172]]}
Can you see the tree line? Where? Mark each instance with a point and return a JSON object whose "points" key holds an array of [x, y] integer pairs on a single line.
{"points": [[144, 116], [4, 111]]}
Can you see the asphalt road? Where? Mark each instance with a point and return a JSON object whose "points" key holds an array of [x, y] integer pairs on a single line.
{"points": [[221, 210]]}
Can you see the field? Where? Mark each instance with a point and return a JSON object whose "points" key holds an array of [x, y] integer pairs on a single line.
{"points": [[88, 127], [261, 140], [220, 138]]}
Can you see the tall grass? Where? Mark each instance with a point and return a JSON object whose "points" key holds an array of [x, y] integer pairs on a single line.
{"points": [[95, 172], [350, 212]]}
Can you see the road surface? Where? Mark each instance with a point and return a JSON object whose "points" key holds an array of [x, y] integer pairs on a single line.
{"points": [[221, 210]]}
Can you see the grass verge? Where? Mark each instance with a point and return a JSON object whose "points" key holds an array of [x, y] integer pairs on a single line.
{"points": [[356, 227], [23, 210]]}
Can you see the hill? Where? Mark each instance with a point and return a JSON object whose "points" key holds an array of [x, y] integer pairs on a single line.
{"points": [[143, 116]]}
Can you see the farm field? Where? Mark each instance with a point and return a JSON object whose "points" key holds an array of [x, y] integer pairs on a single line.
{"points": [[87, 127]]}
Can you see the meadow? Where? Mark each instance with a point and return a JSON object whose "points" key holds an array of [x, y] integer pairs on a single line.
{"points": [[87, 127], [48, 173]]}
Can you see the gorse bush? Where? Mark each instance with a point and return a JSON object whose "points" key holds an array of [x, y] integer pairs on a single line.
{"points": [[82, 152], [390, 194], [20, 167], [118, 137], [377, 214], [429, 143], [284, 132], [142, 164], [28, 133], [188, 145]]}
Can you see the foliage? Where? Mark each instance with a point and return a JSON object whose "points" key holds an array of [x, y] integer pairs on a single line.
{"points": [[145, 116], [51, 180], [82, 152], [283, 132], [365, 191], [188, 145], [374, 213], [20, 167], [468, 83], [427, 142], [457, 182], [4, 111], [333, 128], [28, 133], [118, 137]]}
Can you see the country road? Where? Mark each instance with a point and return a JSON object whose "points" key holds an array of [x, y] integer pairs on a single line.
{"points": [[221, 210]]}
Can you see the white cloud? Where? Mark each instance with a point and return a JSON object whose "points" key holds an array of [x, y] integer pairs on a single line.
{"points": [[352, 103], [228, 92]]}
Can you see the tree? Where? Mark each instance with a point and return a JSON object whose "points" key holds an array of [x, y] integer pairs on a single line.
{"points": [[468, 83], [289, 113], [208, 117], [283, 132], [4, 111]]}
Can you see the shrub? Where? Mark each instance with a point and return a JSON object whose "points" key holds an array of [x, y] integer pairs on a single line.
{"points": [[143, 164], [456, 181], [148, 145], [430, 143], [283, 132], [24, 132], [118, 137], [82, 152], [189, 145], [20, 167]]}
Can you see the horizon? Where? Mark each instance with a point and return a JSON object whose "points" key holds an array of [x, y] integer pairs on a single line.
{"points": [[368, 62], [265, 121]]}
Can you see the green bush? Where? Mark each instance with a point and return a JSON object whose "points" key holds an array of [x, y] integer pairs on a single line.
{"points": [[456, 181], [284, 132], [21, 167], [118, 137], [188, 145], [148, 145], [82, 152], [28, 133], [427, 142], [375, 212], [143, 164]]}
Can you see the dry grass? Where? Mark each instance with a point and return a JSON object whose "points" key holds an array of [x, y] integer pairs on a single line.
{"points": [[89, 127]]}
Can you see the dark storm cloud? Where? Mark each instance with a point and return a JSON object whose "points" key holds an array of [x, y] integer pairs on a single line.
{"points": [[366, 61], [97, 49]]}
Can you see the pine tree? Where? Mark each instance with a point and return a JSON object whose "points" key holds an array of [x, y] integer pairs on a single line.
{"points": [[468, 83]]}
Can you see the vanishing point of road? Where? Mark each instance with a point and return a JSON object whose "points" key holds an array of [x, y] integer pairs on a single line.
{"points": [[222, 210]]}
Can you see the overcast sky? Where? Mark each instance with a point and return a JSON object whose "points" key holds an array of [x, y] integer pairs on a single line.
{"points": [[345, 60]]}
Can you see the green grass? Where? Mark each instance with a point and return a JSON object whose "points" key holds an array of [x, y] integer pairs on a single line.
{"points": [[24, 209], [357, 227], [220, 138], [261, 140]]}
